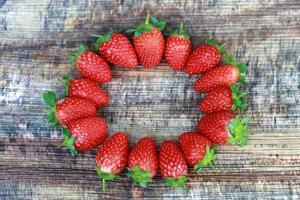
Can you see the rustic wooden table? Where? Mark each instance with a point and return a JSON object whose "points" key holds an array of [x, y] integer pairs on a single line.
{"points": [[35, 40]]}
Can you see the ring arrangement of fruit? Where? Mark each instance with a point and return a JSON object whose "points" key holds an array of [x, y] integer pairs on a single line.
{"points": [[221, 78]]}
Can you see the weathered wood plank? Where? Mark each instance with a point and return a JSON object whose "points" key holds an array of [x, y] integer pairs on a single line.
{"points": [[35, 40]]}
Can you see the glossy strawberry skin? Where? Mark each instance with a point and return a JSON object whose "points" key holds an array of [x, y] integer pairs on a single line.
{"points": [[214, 126], [119, 51], [202, 59], [72, 108], [222, 76], [145, 156], [150, 47], [113, 154], [85, 88], [89, 132], [217, 100], [178, 50], [193, 146], [171, 160], [93, 67]]}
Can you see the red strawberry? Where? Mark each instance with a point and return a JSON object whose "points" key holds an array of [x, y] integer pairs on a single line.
{"points": [[84, 134], [91, 65], [117, 49], [149, 42], [85, 88], [223, 75], [143, 162], [224, 128], [178, 49], [197, 150], [112, 157], [204, 58], [172, 164], [224, 99], [68, 109]]}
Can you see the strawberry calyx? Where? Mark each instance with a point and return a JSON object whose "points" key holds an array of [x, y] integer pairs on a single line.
{"points": [[181, 32], [73, 57], [49, 99], [209, 157], [105, 176], [239, 131], [69, 142], [212, 42], [66, 84], [139, 176], [102, 38], [239, 98], [177, 182], [147, 26], [242, 68]]}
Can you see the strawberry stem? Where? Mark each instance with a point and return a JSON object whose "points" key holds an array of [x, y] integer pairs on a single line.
{"points": [[147, 19], [177, 182], [139, 176], [209, 157], [103, 185]]}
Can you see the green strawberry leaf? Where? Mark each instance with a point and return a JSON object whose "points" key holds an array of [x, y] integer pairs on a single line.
{"points": [[239, 98], [105, 176], [239, 131], [139, 176], [210, 156], [49, 98], [73, 57], [66, 84], [69, 142], [181, 31], [177, 182]]}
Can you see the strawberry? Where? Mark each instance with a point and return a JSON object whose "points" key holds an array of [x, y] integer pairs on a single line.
{"points": [[172, 164], [117, 49], [224, 128], [224, 99], [85, 88], [112, 157], [223, 75], [178, 48], [143, 162], [149, 41], [204, 58], [68, 109], [84, 134], [91, 65], [197, 150]]}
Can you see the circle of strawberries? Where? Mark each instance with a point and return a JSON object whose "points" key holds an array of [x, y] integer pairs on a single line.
{"points": [[222, 124]]}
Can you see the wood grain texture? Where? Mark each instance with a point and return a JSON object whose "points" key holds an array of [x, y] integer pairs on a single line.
{"points": [[37, 36]]}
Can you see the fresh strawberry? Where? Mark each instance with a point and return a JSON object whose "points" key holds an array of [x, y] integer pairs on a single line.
{"points": [[149, 42], [143, 162], [112, 157], [68, 109], [197, 150], [223, 75], [204, 58], [84, 134], [178, 49], [85, 88], [224, 128], [117, 49], [91, 65], [224, 99], [172, 164]]}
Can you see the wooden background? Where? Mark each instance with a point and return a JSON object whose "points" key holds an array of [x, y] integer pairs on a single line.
{"points": [[35, 40]]}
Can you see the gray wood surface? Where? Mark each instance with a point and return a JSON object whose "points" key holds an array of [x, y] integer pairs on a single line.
{"points": [[35, 40]]}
